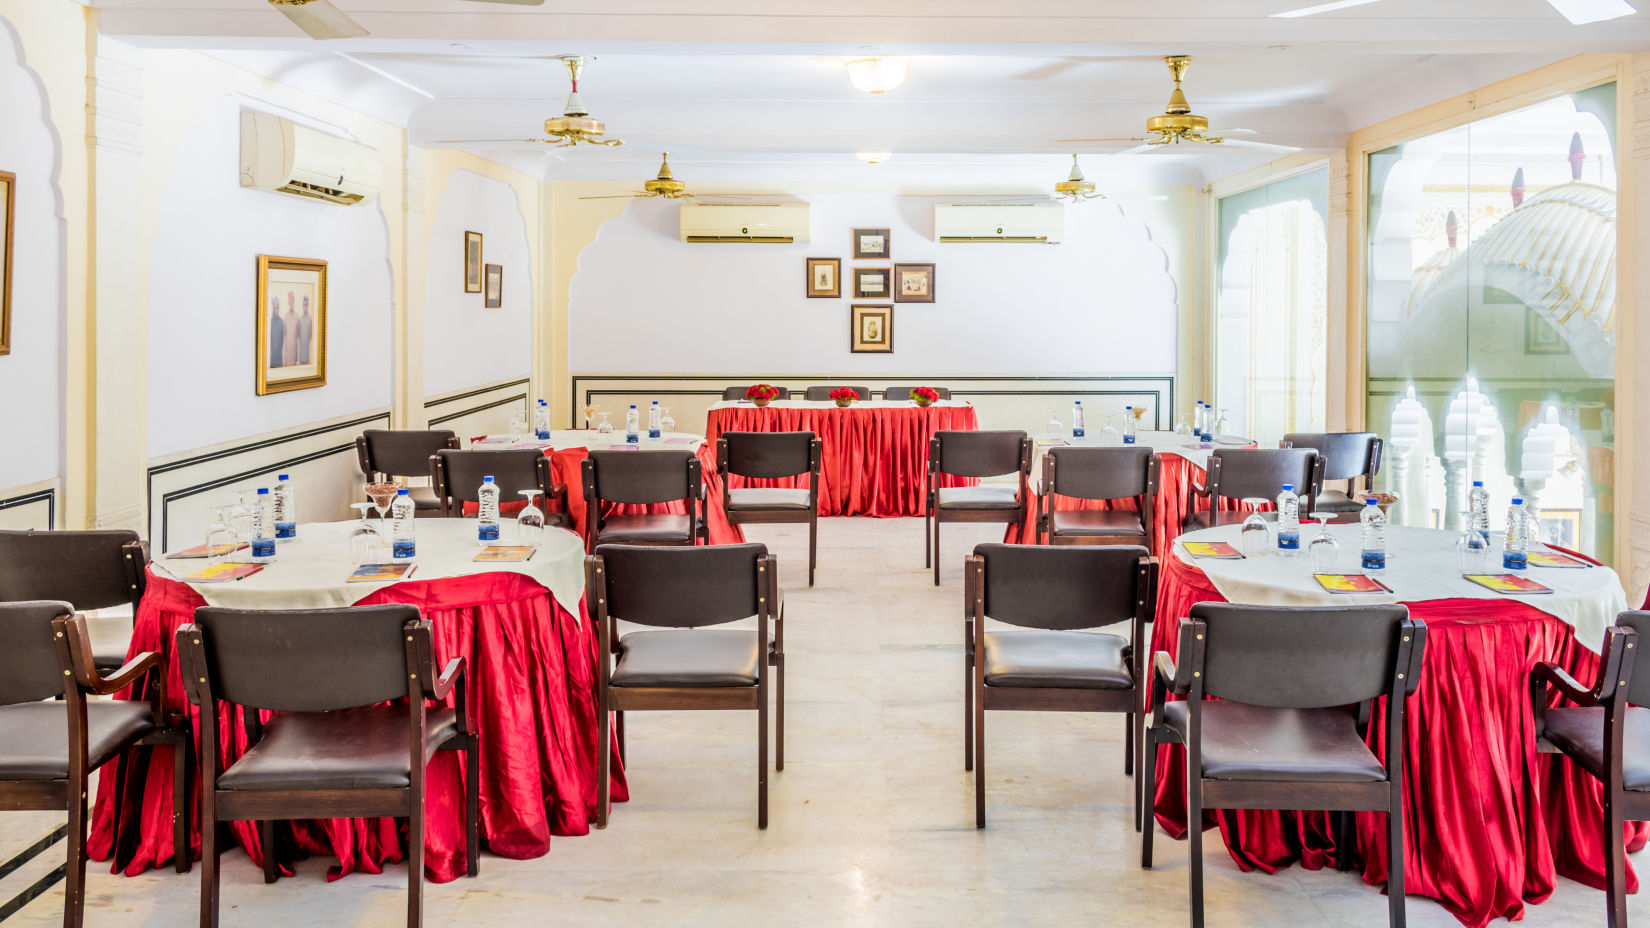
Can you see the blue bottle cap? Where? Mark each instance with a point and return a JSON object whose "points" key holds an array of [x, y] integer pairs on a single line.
{"points": [[1129, 408], [1079, 402], [487, 479], [655, 402], [632, 405], [1478, 483], [1518, 501], [282, 477], [1289, 486], [263, 491], [1371, 501], [401, 492]]}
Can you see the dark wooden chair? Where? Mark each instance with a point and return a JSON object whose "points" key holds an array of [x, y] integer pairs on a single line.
{"points": [[350, 735], [821, 394], [1243, 473], [456, 477], [1606, 734], [99, 569], [643, 478], [1048, 663], [901, 394], [738, 393], [1297, 688], [679, 663], [1346, 456], [49, 747], [1099, 474], [772, 455], [385, 454], [973, 454]]}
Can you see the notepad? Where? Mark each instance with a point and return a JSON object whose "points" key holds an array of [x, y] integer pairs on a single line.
{"points": [[1350, 583], [200, 551], [1218, 550], [1508, 583], [681, 441], [506, 553], [1554, 559], [625, 447], [381, 573], [222, 573]]}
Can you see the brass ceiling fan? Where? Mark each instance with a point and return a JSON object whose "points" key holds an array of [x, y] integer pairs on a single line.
{"points": [[321, 20], [1075, 189], [666, 185], [573, 126], [1179, 124]]}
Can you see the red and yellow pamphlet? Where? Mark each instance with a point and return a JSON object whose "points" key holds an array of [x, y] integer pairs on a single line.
{"points": [[1508, 583], [505, 553], [221, 573], [1214, 549], [381, 573], [200, 551], [1554, 559], [1350, 583]]}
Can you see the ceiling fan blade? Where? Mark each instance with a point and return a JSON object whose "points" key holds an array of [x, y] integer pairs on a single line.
{"points": [[617, 196], [1101, 140], [1258, 146], [319, 19], [516, 2], [1052, 69], [1143, 149], [1139, 197], [1321, 8], [1222, 133], [481, 141], [1582, 12]]}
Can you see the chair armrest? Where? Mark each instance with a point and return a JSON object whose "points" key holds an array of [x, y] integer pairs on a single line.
{"points": [[128, 675], [443, 684], [1162, 681], [1549, 674]]}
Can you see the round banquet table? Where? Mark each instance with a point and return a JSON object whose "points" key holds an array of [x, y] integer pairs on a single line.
{"points": [[531, 674], [1489, 822], [873, 454]]}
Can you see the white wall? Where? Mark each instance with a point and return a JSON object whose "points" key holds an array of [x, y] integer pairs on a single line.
{"points": [[466, 344], [1102, 302]]}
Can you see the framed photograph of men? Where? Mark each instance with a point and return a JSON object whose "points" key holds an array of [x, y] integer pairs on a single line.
{"points": [[292, 324]]}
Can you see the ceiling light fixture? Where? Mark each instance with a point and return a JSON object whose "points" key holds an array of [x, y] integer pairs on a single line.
{"points": [[1582, 12], [876, 75], [1320, 8], [873, 157]]}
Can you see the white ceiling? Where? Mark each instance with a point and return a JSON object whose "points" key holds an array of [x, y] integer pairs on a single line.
{"points": [[737, 87]]}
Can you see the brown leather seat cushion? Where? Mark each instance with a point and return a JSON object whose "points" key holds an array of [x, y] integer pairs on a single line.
{"points": [[1243, 742], [423, 498], [646, 527], [109, 657], [34, 736], [978, 498], [767, 498], [687, 657], [1068, 660], [1337, 501], [1201, 519], [1096, 522], [362, 748], [1580, 734]]}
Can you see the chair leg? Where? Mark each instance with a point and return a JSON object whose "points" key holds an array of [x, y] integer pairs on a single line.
{"points": [[618, 723], [936, 552], [604, 759], [779, 712], [182, 849], [74, 869], [1395, 855], [762, 755], [813, 547], [209, 862], [1145, 820], [927, 551], [472, 808], [968, 702], [1194, 841], [979, 760], [1141, 784], [266, 841], [1128, 744], [1615, 863], [415, 860]]}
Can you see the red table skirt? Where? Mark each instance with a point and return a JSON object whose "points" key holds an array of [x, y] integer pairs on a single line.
{"points": [[531, 669], [874, 461], [1489, 822]]}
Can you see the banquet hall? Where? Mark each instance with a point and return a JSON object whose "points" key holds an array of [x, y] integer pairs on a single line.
{"points": [[480, 461]]}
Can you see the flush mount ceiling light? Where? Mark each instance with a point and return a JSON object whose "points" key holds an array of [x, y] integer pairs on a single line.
{"points": [[873, 157], [876, 75], [1578, 12]]}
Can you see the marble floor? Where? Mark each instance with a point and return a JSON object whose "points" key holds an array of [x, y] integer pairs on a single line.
{"points": [[872, 819]]}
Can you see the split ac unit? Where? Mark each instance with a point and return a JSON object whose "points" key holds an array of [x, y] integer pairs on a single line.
{"points": [[1041, 223], [714, 222], [281, 155]]}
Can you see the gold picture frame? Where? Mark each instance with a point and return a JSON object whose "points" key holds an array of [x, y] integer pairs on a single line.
{"points": [[913, 283], [871, 243], [290, 352], [472, 262], [8, 190], [872, 283], [872, 330], [824, 278]]}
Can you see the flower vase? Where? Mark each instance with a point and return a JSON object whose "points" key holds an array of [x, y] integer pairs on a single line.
{"points": [[762, 401], [922, 402], [844, 403]]}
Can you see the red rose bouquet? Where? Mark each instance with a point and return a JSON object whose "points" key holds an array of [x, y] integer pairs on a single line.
{"points": [[844, 395], [923, 396], [762, 394]]}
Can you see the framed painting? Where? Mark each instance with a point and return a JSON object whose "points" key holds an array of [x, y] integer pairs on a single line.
{"points": [[495, 286], [292, 324], [472, 262], [871, 283], [871, 243], [913, 283], [8, 187], [824, 278], [873, 330]]}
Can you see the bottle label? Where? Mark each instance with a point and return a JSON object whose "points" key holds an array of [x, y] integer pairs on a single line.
{"points": [[1077, 433], [652, 433], [1515, 560], [286, 530], [1374, 560], [263, 547], [402, 548], [1289, 541], [1128, 439], [487, 531], [541, 434], [631, 438]]}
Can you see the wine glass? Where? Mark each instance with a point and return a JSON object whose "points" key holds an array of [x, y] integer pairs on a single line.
{"points": [[667, 422], [530, 521], [220, 535], [1181, 428], [1221, 423], [1472, 549], [1324, 549], [590, 410], [518, 426], [1055, 426], [382, 495], [606, 427], [1109, 435], [1256, 535], [364, 539], [242, 515]]}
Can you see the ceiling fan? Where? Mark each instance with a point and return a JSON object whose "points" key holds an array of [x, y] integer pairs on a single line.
{"points": [[573, 126], [321, 20], [1578, 12], [666, 185], [1179, 124], [1075, 188]]}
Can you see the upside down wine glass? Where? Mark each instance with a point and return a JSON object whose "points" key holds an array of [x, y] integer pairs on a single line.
{"points": [[606, 427], [1472, 549], [363, 538], [1256, 535], [220, 535], [530, 521], [1324, 549]]}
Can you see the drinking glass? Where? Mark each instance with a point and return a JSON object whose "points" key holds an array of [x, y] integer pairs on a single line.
{"points": [[1256, 535], [1055, 426], [364, 539], [1181, 428], [518, 426], [1109, 435], [606, 427], [530, 521], [242, 515], [590, 410], [667, 422], [1472, 550], [220, 534], [1325, 550], [1220, 424], [382, 495]]}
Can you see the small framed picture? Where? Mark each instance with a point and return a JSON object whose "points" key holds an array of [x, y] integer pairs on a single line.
{"points": [[871, 283], [871, 243], [495, 286], [291, 348], [913, 283], [1540, 337], [8, 184], [472, 262], [873, 329], [824, 278]]}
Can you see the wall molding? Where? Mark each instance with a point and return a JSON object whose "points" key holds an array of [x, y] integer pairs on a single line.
{"points": [[47, 496], [519, 386]]}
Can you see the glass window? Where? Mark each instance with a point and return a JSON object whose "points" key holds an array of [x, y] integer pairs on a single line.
{"points": [[1491, 303]]}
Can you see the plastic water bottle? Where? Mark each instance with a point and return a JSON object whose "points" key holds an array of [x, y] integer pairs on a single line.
{"points": [[1128, 425], [1077, 419], [653, 420], [487, 512], [1200, 420], [286, 510], [1289, 522], [632, 421], [263, 536], [402, 539], [1208, 422], [1516, 554], [1478, 505], [541, 421], [1372, 549]]}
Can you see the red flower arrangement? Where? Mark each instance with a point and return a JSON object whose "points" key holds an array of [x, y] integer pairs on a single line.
{"points": [[762, 394], [844, 395], [923, 396]]}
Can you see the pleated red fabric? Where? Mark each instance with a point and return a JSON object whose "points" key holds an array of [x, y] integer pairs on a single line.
{"points": [[531, 667], [1489, 823], [566, 466]]}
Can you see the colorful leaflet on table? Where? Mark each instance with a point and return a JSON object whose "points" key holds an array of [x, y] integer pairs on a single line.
{"points": [[1554, 559], [1218, 550], [1350, 583], [506, 553], [201, 551], [221, 573], [381, 573], [1507, 583]]}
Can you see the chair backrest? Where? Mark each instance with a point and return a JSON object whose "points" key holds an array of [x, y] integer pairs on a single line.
{"points": [[767, 454], [1064, 587], [1261, 472], [904, 393], [818, 394], [29, 667], [641, 477], [92, 569], [1099, 473], [964, 453], [677, 587], [1638, 687], [306, 660], [1346, 455], [401, 453], [457, 475], [1301, 657], [738, 393]]}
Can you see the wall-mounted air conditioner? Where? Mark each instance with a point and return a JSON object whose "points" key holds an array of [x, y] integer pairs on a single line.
{"points": [[1041, 223], [714, 222], [281, 155]]}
